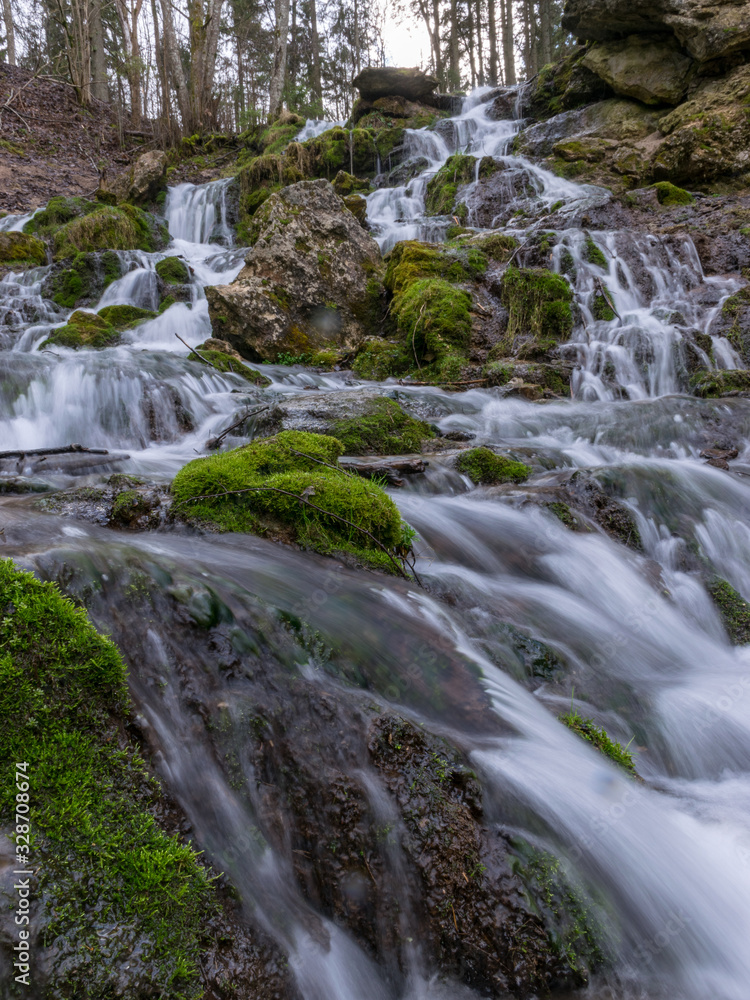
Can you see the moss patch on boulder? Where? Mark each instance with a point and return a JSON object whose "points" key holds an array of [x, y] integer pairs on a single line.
{"points": [[379, 359], [21, 250], [669, 194], [84, 329], [109, 228], [442, 189], [125, 317], [173, 271], [712, 385], [56, 213], [106, 863], [278, 474], [733, 608], [228, 361], [485, 468], [383, 429], [83, 280], [539, 310]]}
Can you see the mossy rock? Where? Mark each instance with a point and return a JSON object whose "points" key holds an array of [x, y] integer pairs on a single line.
{"points": [[712, 385], [280, 133], [353, 150], [733, 608], [552, 376], [275, 476], [261, 177], [411, 260], [229, 363], [84, 329], [56, 213], [83, 280], [539, 310], [382, 429], [602, 310], [125, 317], [345, 184], [497, 246], [358, 207], [442, 189], [598, 738], [92, 807], [173, 271], [434, 317], [108, 228], [485, 468], [668, 194], [21, 250], [379, 359], [594, 254]]}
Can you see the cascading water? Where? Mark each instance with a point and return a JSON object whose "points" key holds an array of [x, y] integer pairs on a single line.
{"points": [[644, 648]]}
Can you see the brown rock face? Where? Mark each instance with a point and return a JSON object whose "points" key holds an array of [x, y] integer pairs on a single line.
{"points": [[145, 178], [706, 29], [652, 70], [388, 81], [310, 281]]}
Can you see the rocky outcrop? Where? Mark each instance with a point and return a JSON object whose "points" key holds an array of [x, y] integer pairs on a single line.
{"points": [[706, 29], [144, 180], [19, 250], [310, 281], [654, 71], [390, 81]]}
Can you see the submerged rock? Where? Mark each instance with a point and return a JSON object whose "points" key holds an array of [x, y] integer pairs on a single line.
{"points": [[311, 280], [121, 502], [223, 356]]}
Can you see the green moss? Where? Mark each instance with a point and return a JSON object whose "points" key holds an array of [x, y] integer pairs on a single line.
{"points": [[485, 468], [277, 136], [497, 246], [538, 304], [549, 376], [173, 271], [21, 250], [734, 610], [101, 859], [84, 280], [594, 254], [125, 317], [411, 260], [589, 731], [568, 264], [84, 329], [442, 189], [602, 309], [668, 194], [720, 383], [56, 213], [433, 316], [165, 303], [108, 228], [564, 514], [383, 429], [274, 464], [227, 363], [380, 359]]}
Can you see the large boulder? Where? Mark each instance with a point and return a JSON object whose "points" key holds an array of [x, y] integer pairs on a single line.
{"points": [[145, 178], [310, 281], [390, 81], [706, 29], [654, 71]]}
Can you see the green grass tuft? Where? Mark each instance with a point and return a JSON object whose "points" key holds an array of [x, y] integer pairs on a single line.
{"points": [[589, 731]]}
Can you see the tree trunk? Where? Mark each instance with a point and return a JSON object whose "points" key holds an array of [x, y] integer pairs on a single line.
{"points": [[480, 44], [545, 30], [470, 33], [454, 65], [174, 63], [492, 27], [315, 77], [508, 42], [128, 18], [99, 82], [10, 33], [439, 70], [276, 88]]}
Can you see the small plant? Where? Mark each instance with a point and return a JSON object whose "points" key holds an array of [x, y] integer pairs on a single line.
{"points": [[589, 731]]}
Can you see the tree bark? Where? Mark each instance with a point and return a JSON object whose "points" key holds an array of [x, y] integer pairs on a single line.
{"points": [[174, 63], [492, 29], [480, 44], [315, 75], [454, 65], [10, 33], [128, 17], [508, 42], [99, 82], [276, 88]]}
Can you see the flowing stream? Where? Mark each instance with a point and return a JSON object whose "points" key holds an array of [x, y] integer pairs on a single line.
{"points": [[668, 860]]}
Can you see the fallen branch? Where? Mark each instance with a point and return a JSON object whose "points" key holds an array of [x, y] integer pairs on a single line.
{"points": [[218, 440], [64, 450], [607, 298], [308, 503]]}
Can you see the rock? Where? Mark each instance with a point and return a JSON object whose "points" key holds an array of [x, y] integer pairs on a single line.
{"points": [[145, 178], [309, 282], [20, 250], [650, 70], [358, 207], [173, 271], [389, 81], [84, 329], [715, 384], [223, 356], [720, 454], [80, 282], [706, 29], [502, 104]]}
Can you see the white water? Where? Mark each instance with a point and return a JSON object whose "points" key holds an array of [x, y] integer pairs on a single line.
{"points": [[645, 647]]}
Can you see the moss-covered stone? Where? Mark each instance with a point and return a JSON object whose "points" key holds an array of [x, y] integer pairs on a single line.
{"points": [[383, 429], [231, 363], [173, 271], [357, 206], [734, 610], [539, 310], [261, 177], [434, 316], [379, 359], [485, 468], [553, 376], [345, 184], [21, 250], [589, 731], [84, 329], [125, 317], [108, 228], [91, 806], [280, 133], [497, 246], [442, 189], [277, 475], [602, 310], [669, 194], [411, 260], [593, 253], [56, 213], [720, 383], [83, 280]]}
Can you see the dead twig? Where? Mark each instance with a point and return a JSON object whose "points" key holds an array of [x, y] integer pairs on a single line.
{"points": [[219, 439], [198, 354]]}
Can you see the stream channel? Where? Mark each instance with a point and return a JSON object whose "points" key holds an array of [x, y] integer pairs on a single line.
{"points": [[665, 861]]}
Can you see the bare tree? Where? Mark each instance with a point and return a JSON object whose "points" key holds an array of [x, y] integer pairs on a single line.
{"points": [[281, 31], [128, 12], [99, 82], [10, 33]]}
